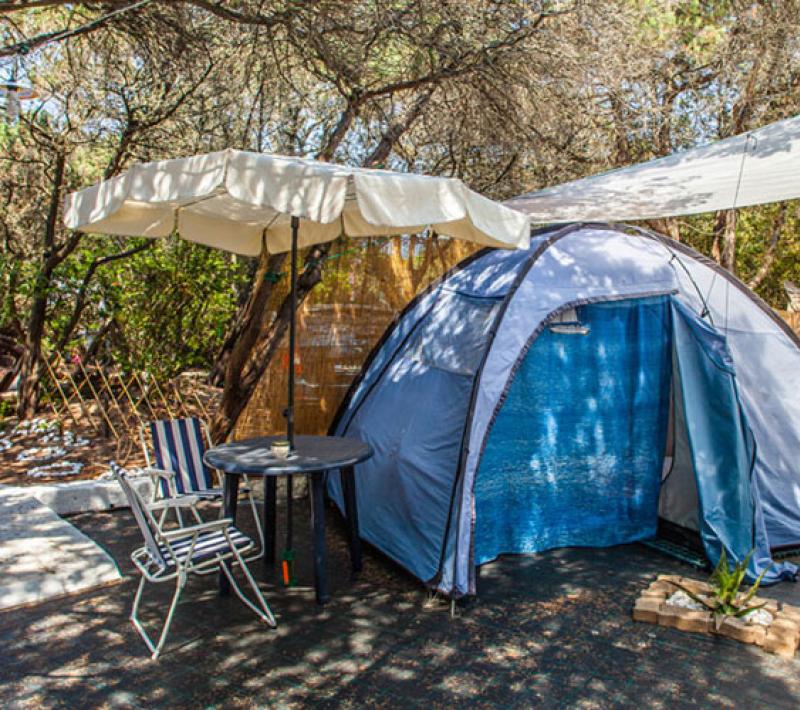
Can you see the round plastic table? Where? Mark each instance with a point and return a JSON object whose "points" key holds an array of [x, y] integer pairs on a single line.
{"points": [[313, 456]]}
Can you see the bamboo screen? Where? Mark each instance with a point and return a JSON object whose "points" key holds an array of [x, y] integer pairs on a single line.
{"points": [[365, 285], [792, 318]]}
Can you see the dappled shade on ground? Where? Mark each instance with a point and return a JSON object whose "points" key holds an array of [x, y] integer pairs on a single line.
{"points": [[553, 629]]}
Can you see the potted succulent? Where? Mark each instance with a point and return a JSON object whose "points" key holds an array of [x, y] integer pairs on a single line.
{"points": [[725, 600]]}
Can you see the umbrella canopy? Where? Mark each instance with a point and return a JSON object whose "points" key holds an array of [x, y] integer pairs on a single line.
{"points": [[753, 168], [237, 201]]}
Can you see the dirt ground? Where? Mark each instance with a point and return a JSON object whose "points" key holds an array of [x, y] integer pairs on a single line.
{"points": [[30, 452]]}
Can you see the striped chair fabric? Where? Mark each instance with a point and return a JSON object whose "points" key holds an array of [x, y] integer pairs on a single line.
{"points": [[179, 446], [207, 545]]}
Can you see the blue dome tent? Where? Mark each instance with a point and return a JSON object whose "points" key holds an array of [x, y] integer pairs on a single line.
{"points": [[570, 395]]}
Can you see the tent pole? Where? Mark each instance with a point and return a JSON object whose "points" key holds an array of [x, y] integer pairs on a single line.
{"points": [[292, 329]]}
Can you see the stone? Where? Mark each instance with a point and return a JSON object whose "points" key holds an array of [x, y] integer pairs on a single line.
{"points": [[741, 631], [780, 640], [668, 578], [662, 587], [685, 619], [81, 496], [646, 610], [668, 616], [769, 605], [44, 556], [788, 627], [651, 593], [694, 586], [790, 612]]}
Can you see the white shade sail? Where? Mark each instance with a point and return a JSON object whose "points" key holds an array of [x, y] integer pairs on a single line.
{"points": [[236, 200], [753, 168]]}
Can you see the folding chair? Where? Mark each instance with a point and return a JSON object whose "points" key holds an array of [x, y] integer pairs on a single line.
{"points": [[178, 447], [175, 554]]}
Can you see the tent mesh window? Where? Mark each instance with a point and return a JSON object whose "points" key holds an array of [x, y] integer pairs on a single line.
{"points": [[585, 415], [454, 338]]}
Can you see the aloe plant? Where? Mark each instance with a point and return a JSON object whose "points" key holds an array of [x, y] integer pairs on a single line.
{"points": [[725, 581]]}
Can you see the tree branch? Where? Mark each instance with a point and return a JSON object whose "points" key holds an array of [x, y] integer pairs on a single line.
{"points": [[80, 299], [771, 252], [27, 45]]}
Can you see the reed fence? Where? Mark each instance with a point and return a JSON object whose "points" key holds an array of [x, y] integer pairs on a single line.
{"points": [[792, 318]]}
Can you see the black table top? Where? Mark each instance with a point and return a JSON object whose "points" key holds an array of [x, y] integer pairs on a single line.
{"points": [[312, 453]]}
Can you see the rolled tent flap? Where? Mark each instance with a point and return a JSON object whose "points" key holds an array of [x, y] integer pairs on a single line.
{"points": [[722, 448], [236, 201]]}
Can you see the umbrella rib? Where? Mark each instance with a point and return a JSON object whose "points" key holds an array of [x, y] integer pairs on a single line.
{"points": [[217, 193], [266, 229], [214, 194]]}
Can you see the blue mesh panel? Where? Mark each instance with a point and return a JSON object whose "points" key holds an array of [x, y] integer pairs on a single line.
{"points": [[574, 457]]}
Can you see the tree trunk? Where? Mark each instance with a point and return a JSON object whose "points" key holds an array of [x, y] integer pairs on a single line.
{"points": [[248, 322], [771, 252], [249, 360], [668, 226], [31, 368], [723, 248], [239, 387]]}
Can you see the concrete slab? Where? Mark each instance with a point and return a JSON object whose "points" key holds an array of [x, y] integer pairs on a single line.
{"points": [[86, 496], [42, 555]]}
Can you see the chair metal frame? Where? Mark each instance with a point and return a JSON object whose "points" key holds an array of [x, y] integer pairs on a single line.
{"points": [[158, 474], [158, 561]]}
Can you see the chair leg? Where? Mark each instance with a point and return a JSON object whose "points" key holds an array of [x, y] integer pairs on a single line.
{"points": [[155, 649], [259, 529], [266, 614], [162, 519]]}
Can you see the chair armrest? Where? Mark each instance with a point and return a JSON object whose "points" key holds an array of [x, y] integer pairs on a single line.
{"points": [[213, 525], [159, 473], [186, 501]]}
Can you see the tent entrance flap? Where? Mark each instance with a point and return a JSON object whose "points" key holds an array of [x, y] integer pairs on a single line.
{"points": [[585, 416], [721, 445]]}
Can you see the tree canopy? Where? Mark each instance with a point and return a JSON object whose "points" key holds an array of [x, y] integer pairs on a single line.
{"points": [[508, 96]]}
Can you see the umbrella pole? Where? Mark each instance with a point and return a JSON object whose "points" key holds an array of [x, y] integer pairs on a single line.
{"points": [[287, 561], [292, 329]]}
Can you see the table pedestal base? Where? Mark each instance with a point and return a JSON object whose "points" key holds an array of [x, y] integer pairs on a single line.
{"points": [[317, 489]]}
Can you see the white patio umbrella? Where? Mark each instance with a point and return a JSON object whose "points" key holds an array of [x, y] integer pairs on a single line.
{"points": [[242, 202]]}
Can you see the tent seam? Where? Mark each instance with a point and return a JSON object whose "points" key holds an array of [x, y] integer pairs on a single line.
{"points": [[557, 233]]}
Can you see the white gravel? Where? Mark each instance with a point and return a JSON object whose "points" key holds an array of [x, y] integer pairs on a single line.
{"points": [[684, 601], [758, 616], [59, 468], [53, 446]]}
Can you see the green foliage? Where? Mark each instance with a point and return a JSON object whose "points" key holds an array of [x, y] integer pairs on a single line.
{"points": [[170, 305], [755, 231], [726, 582]]}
